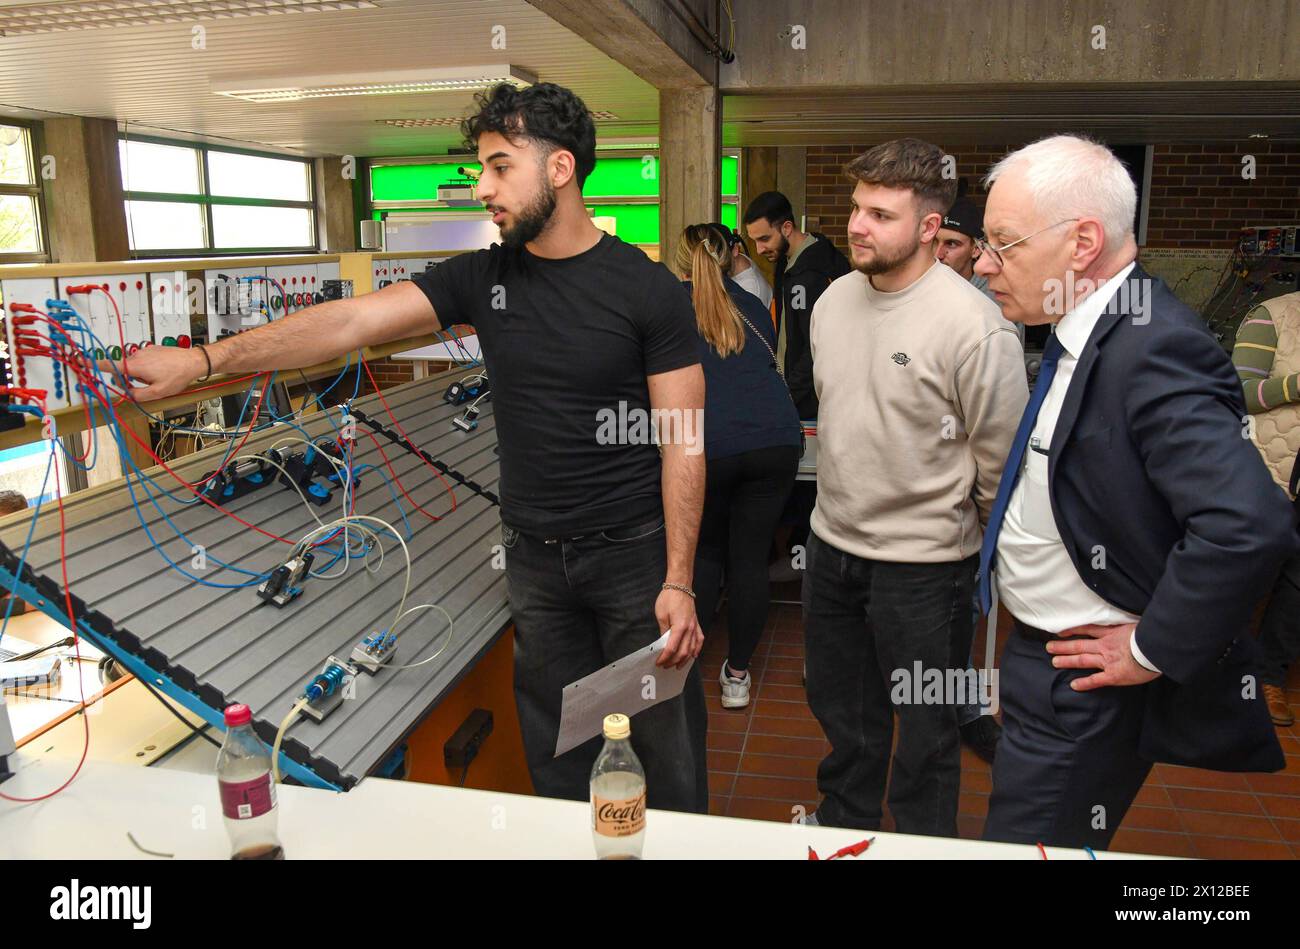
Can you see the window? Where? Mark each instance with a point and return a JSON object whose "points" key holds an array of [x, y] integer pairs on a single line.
{"points": [[191, 200], [21, 237]]}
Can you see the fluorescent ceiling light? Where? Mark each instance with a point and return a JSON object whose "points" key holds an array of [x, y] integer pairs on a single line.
{"points": [[445, 122], [391, 82], [63, 16], [453, 121]]}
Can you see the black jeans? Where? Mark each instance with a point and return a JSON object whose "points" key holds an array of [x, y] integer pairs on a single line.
{"points": [[1067, 766], [869, 627], [742, 505], [578, 605], [1279, 632]]}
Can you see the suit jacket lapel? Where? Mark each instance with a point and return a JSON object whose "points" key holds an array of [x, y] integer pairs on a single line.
{"points": [[1110, 318]]}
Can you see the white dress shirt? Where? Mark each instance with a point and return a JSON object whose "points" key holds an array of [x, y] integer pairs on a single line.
{"points": [[1036, 577]]}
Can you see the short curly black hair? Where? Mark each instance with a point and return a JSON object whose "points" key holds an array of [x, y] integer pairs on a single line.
{"points": [[545, 113]]}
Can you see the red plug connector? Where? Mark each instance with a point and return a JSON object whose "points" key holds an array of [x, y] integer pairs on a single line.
{"points": [[37, 394], [82, 288], [852, 850]]}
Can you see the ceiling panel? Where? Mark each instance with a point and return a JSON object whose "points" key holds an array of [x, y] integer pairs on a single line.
{"points": [[153, 78]]}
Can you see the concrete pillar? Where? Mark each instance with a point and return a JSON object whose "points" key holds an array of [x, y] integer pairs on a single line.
{"points": [[84, 200], [336, 220], [690, 159], [758, 173], [792, 177]]}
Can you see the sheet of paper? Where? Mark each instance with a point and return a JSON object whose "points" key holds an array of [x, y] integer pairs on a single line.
{"points": [[627, 686]]}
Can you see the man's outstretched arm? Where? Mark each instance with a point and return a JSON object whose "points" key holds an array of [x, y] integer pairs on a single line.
{"points": [[306, 338]]}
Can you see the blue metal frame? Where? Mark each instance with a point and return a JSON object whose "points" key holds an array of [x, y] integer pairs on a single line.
{"points": [[158, 680]]}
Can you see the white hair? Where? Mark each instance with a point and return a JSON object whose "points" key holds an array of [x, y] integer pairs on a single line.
{"points": [[1073, 177]]}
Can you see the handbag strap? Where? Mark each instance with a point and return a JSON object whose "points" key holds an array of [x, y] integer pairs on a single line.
{"points": [[763, 339], [803, 438]]}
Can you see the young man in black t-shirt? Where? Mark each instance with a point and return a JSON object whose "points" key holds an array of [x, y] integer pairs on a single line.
{"points": [[582, 334]]}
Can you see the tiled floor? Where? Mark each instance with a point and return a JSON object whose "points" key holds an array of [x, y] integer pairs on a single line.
{"points": [[763, 764]]}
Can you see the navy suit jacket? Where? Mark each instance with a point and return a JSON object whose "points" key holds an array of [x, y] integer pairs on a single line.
{"points": [[1168, 512]]}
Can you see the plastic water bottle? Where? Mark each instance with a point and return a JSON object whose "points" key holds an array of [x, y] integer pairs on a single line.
{"points": [[247, 790], [618, 795]]}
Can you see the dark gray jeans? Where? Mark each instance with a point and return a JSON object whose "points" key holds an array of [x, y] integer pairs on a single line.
{"points": [[578, 605], [866, 625]]}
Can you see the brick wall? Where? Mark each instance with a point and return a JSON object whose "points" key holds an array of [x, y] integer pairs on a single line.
{"points": [[1198, 200], [388, 373], [393, 372]]}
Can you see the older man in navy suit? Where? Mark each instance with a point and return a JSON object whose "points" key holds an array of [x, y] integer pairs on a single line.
{"points": [[1134, 529]]}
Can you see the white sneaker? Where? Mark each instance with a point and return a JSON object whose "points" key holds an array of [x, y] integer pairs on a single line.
{"points": [[735, 692]]}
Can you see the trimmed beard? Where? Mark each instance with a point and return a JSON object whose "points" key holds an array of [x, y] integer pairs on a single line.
{"points": [[882, 264], [532, 220]]}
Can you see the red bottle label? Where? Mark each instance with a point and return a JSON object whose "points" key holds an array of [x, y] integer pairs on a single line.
{"points": [[242, 800]]}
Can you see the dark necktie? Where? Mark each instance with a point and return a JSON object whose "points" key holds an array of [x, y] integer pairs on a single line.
{"points": [[1011, 473]]}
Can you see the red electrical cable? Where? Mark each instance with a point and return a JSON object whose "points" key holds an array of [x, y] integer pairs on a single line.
{"points": [[121, 333], [77, 367], [198, 494], [852, 850], [53, 356], [401, 431], [149, 450], [398, 481], [84, 377]]}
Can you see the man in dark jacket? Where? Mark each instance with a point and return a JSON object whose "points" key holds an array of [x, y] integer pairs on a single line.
{"points": [[1134, 529], [805, 264]]}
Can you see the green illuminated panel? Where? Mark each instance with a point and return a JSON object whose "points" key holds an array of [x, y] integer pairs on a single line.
{"points": [[623, 177], [411, 182], [635, 223], [612, 177], [730, 174]]}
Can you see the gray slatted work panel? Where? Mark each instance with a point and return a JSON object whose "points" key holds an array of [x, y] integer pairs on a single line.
{"points": [[227, 645]]}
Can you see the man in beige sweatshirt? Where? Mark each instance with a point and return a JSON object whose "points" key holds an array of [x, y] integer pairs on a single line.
{"points": [[922, 385]]}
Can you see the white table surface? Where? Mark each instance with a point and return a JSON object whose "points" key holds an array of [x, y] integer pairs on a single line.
{"points": [[443, 350], [808, 463], [178, 812]]}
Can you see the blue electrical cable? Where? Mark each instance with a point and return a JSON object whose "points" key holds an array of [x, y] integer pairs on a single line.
{"points": [[22, 559], [145, 481]]}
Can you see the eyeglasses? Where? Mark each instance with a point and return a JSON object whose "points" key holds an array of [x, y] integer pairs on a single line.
{"points": [[985, 247]]}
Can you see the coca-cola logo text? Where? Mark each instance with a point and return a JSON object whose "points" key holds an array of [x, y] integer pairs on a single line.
{"points": [[622, 811]]}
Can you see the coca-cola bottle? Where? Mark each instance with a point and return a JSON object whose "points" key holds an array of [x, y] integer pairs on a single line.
{"points": [[618, 795], [247, 790]]}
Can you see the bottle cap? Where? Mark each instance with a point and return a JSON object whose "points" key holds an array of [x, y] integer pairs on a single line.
{"points": [[237, 715], [617, 726]]}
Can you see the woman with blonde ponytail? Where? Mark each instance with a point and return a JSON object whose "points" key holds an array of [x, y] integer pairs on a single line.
{"points": [[752, 443]]}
